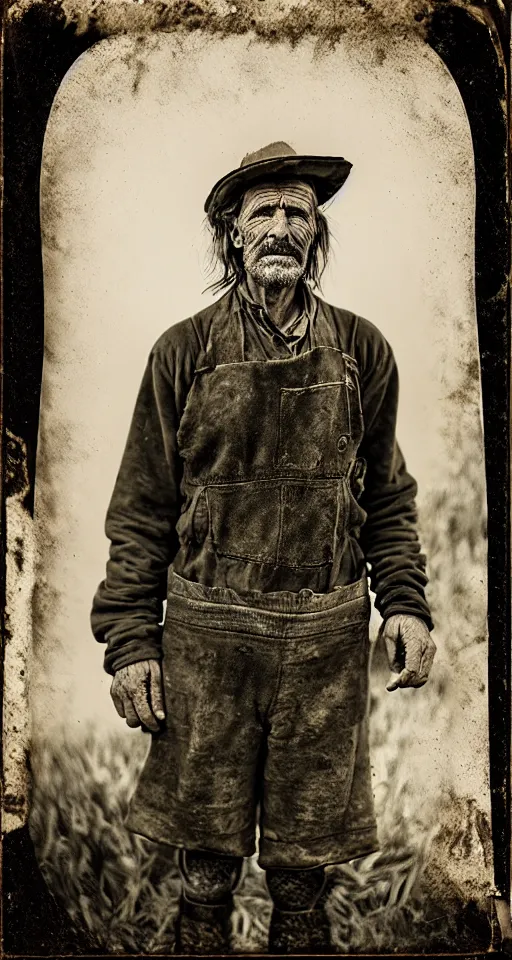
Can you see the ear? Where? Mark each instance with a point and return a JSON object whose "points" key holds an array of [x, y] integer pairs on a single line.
{"points": [[236, 236]]}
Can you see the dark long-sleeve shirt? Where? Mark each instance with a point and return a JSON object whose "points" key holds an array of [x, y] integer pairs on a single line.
{"points": [[146, 503]]}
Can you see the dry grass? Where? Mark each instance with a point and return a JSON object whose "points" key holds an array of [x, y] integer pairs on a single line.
{"points": [[126, 895], [425, 892]]}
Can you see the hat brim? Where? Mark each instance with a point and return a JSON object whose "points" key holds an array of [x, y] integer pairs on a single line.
{"points": [[326, 174]]}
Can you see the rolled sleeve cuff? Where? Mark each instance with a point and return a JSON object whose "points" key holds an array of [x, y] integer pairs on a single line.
{"points": [[411, 608], [131, 652]]}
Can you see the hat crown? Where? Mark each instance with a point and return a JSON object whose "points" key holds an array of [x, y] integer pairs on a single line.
{"points": [[273, 151], [325, 174]]}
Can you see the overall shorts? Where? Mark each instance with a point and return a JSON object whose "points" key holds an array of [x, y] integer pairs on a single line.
{"points": [[266, 692]]}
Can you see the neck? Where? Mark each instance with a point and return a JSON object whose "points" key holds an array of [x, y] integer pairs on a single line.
{"points": [[282, 305]]}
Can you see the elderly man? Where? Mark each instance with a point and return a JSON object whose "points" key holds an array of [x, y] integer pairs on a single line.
{"points": [[260, 478]]}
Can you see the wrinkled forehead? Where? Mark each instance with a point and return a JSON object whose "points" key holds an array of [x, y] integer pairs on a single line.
{"points": [[284, 193]]}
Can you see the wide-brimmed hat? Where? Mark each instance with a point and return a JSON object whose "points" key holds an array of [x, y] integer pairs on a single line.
{"points": [[326, 174]]}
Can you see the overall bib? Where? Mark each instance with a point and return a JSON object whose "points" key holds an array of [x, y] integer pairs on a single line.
{"points": [[266, 692]]}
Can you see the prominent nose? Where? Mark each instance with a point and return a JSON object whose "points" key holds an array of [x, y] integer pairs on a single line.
{"points": [[279, 227]]}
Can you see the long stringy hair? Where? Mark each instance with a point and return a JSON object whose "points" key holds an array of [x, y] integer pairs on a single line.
{"points": [[229, 259]]}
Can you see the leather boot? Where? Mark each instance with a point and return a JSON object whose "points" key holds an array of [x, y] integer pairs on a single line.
{"points": [[203, 928], [305, 932]]}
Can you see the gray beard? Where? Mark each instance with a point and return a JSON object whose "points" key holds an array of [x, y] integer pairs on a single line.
{"points": [[275, 272]]}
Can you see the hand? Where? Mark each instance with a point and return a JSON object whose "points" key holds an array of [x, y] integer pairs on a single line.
{"points": [[410, 650], [137, 694]]}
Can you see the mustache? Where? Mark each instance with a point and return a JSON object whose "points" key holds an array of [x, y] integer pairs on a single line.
{"points": [[278, 248]]}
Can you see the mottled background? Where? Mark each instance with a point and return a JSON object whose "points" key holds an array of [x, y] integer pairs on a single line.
{"points": [[139, 131]]}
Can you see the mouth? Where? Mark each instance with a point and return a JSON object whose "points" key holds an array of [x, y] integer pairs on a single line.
{"points": [[278, 256]]}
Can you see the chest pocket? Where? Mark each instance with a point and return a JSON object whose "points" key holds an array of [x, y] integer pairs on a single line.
{"points": [[314, 433]]}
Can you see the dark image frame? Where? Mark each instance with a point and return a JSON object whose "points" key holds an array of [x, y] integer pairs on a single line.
{"points": [[473, 40]]}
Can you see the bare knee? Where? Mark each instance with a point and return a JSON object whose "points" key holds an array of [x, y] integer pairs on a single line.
{"points": [[208, 877], [295, 890]]}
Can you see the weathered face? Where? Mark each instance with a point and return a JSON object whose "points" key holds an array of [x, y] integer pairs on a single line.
{"points": [[275, 228]]}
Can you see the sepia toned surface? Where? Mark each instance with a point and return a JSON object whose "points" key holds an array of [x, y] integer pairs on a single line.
{"points": [[130, 155], [16, 721]]}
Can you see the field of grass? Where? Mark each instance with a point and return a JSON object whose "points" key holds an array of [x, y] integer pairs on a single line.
{"points": [[425, 892], [125, 894]]}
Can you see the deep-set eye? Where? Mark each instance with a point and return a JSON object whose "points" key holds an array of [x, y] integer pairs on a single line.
{"points": [[263, 212]]}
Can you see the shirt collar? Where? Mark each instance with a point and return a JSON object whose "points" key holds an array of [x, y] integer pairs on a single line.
{"points": [[297, 329]]}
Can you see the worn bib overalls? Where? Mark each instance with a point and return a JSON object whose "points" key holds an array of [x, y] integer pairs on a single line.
{"points": [[266, 692]]}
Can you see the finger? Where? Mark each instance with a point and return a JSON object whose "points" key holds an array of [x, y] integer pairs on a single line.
{"points": [[130, 714], [394, 642], [390, 644], [404, 679], [392, 684], [389, 629], [413, 651], [427, 660], [144, 712], [407, 679], [155, 690], [393, 653], [117, 701]]}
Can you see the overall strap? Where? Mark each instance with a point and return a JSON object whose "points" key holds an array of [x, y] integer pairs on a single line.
{"points": [[226, 335], [336, 327]]}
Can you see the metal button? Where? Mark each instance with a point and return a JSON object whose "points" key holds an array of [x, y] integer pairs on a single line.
{"points": [[342, 443], [306, 594]]}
